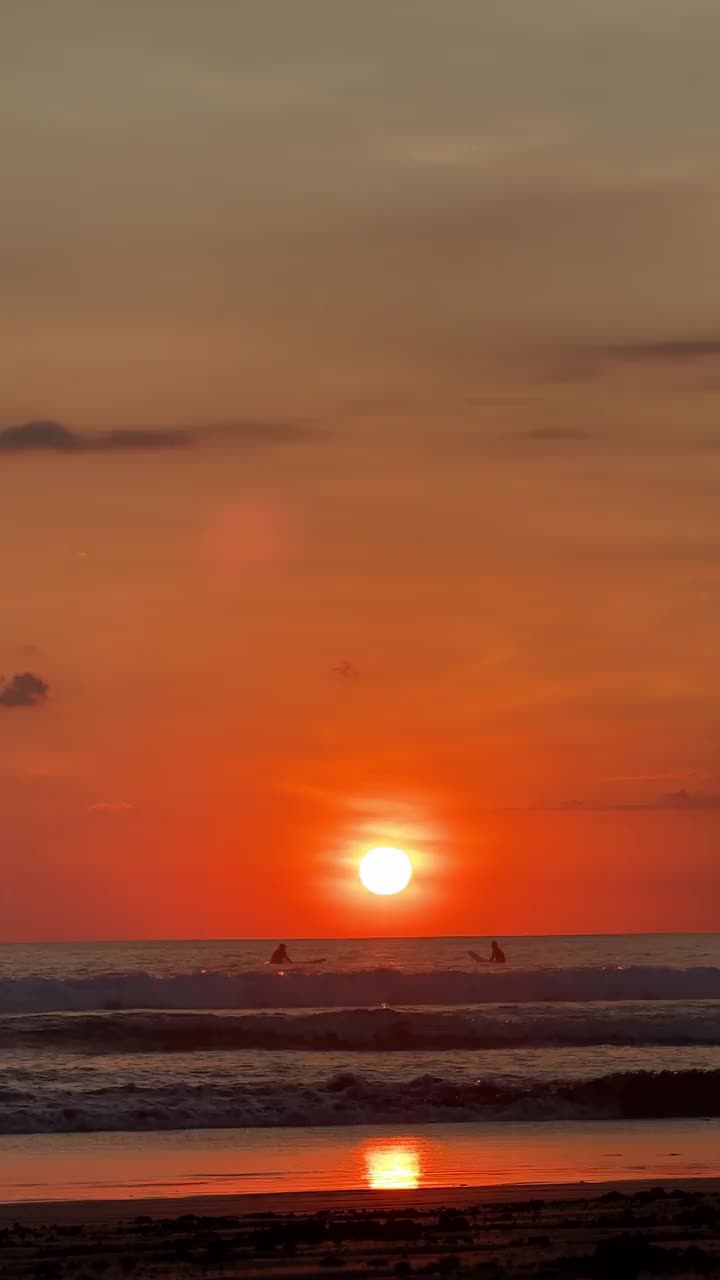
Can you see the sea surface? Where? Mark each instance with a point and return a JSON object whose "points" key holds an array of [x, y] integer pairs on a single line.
{"points": [[172, 1036]]}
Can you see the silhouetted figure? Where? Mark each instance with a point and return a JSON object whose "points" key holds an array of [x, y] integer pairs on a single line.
{"points": [[497, 955], [280, 955]]}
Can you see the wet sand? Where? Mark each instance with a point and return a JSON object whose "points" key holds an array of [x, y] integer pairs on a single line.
{"points": [[231, 1162], [624, 1230]]}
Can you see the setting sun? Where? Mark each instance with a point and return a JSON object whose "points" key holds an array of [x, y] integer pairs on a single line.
{"points": [[385, 871]]}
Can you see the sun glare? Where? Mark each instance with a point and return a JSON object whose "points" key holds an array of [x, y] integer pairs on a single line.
{"points": [[385, 871], [393, 1166]]}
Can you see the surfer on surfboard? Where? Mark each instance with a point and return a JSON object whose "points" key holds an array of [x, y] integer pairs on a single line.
{"points": [[497, 955], [280, 957]]}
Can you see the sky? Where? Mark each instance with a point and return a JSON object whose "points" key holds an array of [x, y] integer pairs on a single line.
{"points": [[359, 466]]}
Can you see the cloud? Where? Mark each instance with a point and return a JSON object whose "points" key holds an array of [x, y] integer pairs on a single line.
{"points": [[253, 432], [346, 670], [48, 436], [509, 266], [512, 149], [117, 441], [536, 444], [111, 806], [555, 443], [23, 690], [672, 776], [539, 443], [52, 437], [678, 350], [254, 92], [673, 801], [579, 364], [689, 800]]}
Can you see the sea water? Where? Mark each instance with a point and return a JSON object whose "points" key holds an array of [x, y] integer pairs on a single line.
{"points": [[171, 1036]]}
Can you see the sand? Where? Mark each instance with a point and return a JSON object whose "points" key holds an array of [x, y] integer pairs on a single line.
{"points": [[624, 1230]]}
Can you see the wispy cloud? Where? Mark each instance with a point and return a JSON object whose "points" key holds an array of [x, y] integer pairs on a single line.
{"points": [[262, 433], [688, 800], [514, 146], [540, 444], [674, 350], [672, 801], [543, 442], [579, 364], [49, 436], [346, 670], [255, 93], [686, 775], [23, 690]]}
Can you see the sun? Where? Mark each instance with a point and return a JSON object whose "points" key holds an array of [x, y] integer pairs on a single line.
{"points": [[385, 871]]}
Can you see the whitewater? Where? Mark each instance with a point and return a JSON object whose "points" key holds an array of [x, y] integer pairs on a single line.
{"points": [[189, 1035]]}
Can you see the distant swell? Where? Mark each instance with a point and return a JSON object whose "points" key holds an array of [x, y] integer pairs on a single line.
{"points": [[486, 1027], [370, 987], [352, 1099]]}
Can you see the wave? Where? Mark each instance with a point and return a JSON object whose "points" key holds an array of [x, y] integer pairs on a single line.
{"points": [[384, 1029], [370, 987], [350, 1099]]}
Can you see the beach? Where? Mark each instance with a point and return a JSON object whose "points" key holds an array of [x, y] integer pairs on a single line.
{"points": [[352, 1159], [172, 1109], [478, 1200], [567, 1231]]}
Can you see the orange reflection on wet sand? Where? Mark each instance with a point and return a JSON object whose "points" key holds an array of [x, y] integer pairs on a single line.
{"points": [[197, 1162], [392, 1164]]}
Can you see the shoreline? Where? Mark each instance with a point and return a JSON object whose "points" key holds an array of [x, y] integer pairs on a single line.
{"points": [[261, 1204], [422, 1160]]}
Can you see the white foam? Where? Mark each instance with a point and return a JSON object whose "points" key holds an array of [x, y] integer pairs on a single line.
{"points": [[350, 1098]]}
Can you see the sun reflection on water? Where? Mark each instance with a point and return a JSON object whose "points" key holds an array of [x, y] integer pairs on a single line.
{"points": [[392, 1165]]}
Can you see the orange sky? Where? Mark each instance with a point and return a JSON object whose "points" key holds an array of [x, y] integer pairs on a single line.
{"points": [[412, 317]]}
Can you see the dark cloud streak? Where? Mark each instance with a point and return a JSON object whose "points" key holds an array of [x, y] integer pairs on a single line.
{"points": [[53, 437], [672, 802], [48, 436], [674, 351], [253, 432]]}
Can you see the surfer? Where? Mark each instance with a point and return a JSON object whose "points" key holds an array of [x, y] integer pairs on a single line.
{"points": [[497, 955], [280, 955]]}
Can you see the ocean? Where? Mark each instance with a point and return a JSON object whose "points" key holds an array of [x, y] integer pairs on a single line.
{"points": [[139, 1037]]}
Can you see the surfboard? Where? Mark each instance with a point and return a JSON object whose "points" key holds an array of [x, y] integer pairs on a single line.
{"points": [[478, 959]]}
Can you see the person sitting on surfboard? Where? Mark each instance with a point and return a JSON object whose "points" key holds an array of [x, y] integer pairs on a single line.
{"points": [[497, 955], [280, 955]]}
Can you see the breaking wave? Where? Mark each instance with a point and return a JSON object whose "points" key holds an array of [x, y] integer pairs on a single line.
{"points": [[267, 989], [349, 1099], [489, 1027]]}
